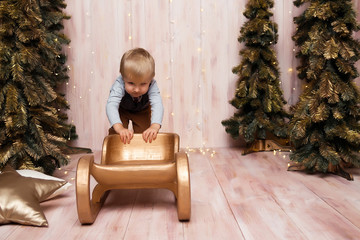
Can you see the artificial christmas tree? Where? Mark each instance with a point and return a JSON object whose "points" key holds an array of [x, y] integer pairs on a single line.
{"points": [[32, 121], [325, 128], [258, 97]]}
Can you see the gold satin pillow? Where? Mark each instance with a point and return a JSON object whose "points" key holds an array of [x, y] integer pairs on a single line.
{"points": [[39, 175], [20, 198]]}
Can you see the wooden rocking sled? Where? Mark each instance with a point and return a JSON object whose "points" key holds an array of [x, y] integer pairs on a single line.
{"points": [[159, 164]]}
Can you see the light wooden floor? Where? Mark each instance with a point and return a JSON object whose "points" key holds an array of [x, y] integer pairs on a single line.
{"points": [[233, 197]]}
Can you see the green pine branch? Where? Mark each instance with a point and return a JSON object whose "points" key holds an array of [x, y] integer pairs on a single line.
{"points": [[33, 124], [258, 96], [325, 125]]}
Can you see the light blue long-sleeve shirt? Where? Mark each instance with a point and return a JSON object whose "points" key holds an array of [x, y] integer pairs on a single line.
{"points": [[117, 92]]}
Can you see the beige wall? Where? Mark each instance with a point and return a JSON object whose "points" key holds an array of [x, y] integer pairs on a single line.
{"points": [[195, 47]]}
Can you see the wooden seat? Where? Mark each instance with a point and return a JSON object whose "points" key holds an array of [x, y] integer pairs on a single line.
{"points": [[159, 164]]}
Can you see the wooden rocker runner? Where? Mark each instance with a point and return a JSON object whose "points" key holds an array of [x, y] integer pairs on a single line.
{"points": [[159, 164]]}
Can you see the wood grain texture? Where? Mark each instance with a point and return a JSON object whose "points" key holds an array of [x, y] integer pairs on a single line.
{"points": [[233, 197]]}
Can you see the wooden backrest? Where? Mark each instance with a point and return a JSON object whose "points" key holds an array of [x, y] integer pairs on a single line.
{"points": [[162, 149]]}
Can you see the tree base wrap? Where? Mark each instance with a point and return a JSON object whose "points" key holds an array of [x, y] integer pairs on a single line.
{"points": [[261, 145], [337, 170]]}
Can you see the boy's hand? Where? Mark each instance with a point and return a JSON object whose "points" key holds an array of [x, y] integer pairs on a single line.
{"points": [[125, 134], [150, 134]]}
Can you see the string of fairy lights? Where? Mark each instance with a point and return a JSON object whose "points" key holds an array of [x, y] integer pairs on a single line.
{"points": [[76, 93], [200, 118], [168, 99]]}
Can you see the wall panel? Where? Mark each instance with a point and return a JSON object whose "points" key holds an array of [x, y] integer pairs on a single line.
{"points": [[195, 47]]}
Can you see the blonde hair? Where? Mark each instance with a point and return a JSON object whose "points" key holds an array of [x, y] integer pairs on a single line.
{"points": [[137, 63]]}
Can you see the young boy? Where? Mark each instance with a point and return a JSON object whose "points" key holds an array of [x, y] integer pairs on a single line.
{"points": [[135, 96]]}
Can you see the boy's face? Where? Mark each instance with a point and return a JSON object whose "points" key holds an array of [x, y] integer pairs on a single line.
{"points": [[137, 87]]}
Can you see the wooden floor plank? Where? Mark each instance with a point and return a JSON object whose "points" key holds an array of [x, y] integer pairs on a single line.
{"points": [[315, 218], [233, 197], [7, 230], [211, 216], [112, 220], [154, 216], [336, 191], [247, 190]]}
